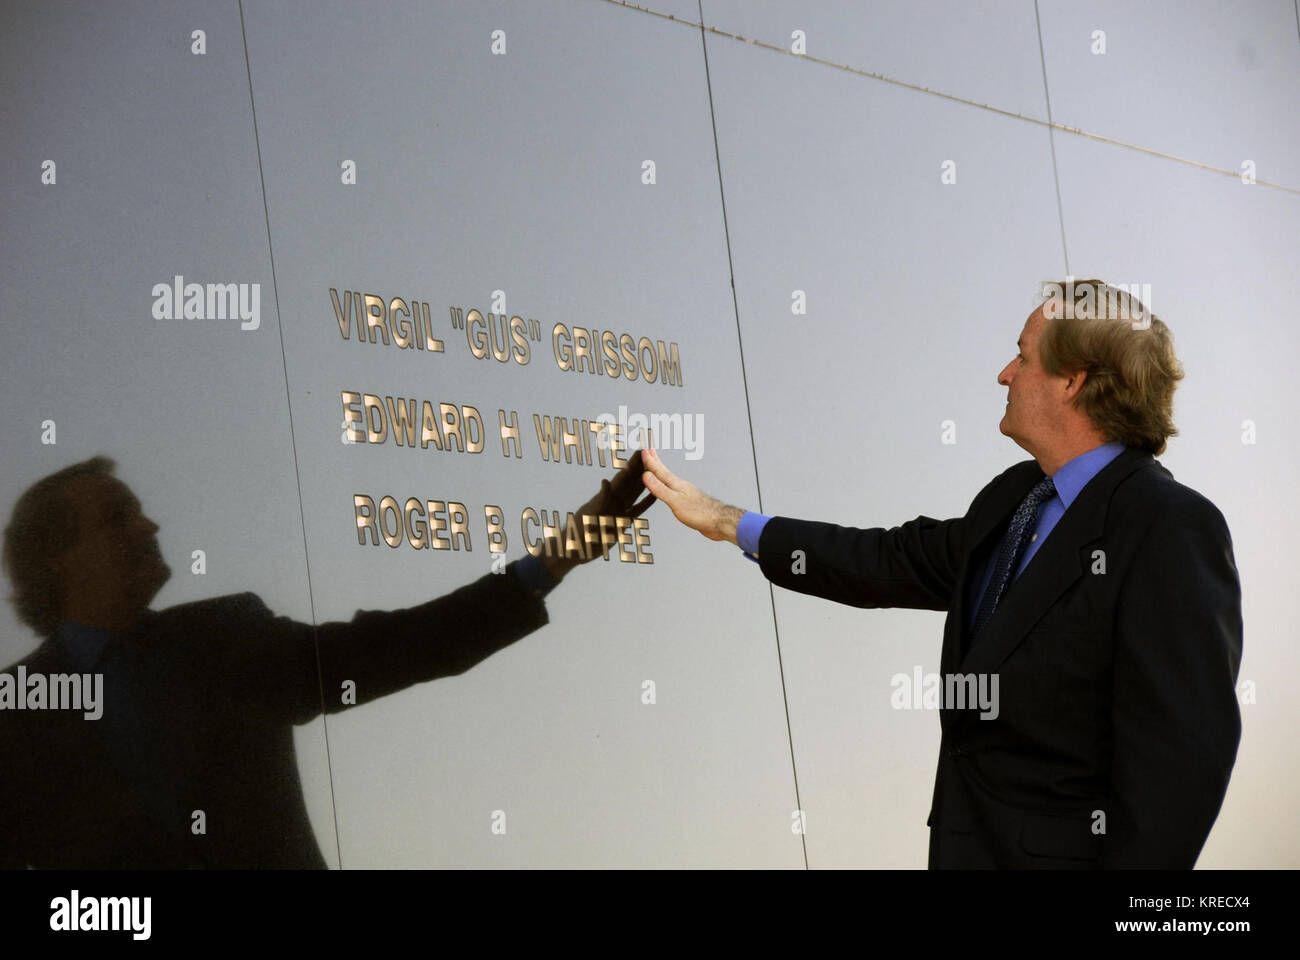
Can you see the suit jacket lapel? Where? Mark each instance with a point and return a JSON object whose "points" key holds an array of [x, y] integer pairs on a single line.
{"points": [[1057, 564], [986, 527]]}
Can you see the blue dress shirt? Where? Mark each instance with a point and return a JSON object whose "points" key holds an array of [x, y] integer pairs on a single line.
{"points": [[536, 579]]}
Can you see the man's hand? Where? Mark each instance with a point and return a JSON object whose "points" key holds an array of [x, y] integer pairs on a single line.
{"points": [[689, 504], [615, 498]]}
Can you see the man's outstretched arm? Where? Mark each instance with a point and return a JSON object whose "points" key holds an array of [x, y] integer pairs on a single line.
{"points": [[914, 565], [272, 661]]}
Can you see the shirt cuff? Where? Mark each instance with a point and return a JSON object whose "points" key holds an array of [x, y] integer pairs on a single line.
{"points": [[748, 531], [536, 579]]}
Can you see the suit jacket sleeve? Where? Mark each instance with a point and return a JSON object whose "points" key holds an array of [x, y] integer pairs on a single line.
{"points": [[1175, 719], [913, 565], [273, 661]]}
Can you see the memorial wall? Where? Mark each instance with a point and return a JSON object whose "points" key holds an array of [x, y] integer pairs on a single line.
{"points": [[365, 302]]}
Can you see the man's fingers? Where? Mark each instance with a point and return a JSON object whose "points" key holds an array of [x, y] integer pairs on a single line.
{"points": [[657, 487], [675, 499], [662, 473]]}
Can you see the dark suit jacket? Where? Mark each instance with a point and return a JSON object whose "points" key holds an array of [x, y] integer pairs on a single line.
{"points": [[1117, 689], [200, 701]]}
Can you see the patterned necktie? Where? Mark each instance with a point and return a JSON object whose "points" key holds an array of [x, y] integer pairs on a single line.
{"points": [[1010, 549]]}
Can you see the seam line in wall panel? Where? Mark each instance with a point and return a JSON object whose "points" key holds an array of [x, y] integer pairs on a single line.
{"points": [[726, 232], [1051, 139], [1063, 128], [302, 518]]}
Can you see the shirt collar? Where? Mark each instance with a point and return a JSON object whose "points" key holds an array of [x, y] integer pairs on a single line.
{"points": [[1074, 476]]}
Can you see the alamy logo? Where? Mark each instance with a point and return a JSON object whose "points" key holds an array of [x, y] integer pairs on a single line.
{"points": [[212, 301], [663, 431], [950, 691], [1092, 301], [102, 913], [55, 691]]}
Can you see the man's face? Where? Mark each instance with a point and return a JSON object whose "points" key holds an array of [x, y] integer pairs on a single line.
{"points": [[1035, 399], [116, 551]]}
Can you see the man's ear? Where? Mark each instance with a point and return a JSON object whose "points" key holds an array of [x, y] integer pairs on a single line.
{"points": [[1075, 383]]}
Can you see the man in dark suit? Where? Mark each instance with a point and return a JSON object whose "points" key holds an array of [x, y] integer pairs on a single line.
{"points": [[191, 760], [1101, 594]]}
